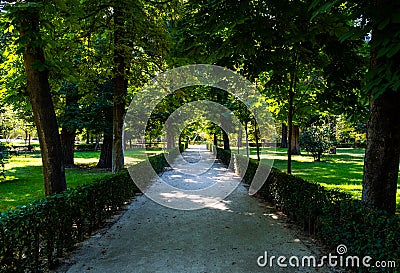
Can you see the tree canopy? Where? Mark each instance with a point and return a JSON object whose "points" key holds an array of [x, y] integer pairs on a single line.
{"points": [[73, 66]]}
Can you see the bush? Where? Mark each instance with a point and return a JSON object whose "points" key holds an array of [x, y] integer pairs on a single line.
{"points": [[332, 215], [34, 237], [316, 140]]}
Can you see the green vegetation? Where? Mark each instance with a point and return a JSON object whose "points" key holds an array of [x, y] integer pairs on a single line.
{"points": [[35, 236], [24, 175], [343, 170], [87, 59], [68, 69], [334, 216]]}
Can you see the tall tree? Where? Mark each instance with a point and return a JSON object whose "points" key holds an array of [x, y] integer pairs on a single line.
{"points": [[120, 85], [137, 34], [105, 160], [280, 41], [27, 18], [284, 136], [381, 163], [69, 121]]}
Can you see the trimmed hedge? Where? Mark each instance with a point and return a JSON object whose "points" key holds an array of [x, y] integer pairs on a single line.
{"points": [[34, 237], [332, 215], [158, 162]]}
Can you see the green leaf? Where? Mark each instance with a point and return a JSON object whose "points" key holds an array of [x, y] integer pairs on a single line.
{"points": [[322, 9]]}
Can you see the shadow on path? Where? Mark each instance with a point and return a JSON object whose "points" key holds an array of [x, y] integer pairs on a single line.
{"points": [[227, 236]]}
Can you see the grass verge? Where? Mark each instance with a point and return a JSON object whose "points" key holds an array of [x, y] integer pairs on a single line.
{"points": [[343, 170], [24, 175]]}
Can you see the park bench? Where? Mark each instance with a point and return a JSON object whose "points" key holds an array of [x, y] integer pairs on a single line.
{"points": [[19, 149]]}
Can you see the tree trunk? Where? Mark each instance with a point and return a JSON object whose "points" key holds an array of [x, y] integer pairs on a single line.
{"points": [[284, 143], [256, 138], [42, 105], [226, 140], [216, 139], [120, 89], [105, 160], [295, 147], [170, 140], [239, 141], [318, 159], [332, 125], [97, 143], [381, 162], [290, 122], [68, 131], [68, 144], [247, 139]]}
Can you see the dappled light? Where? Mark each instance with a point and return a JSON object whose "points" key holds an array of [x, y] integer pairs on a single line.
{"points": [[199, 134], [208, 202]]}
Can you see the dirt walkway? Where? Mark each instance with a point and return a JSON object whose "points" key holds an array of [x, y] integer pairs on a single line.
{"points": [[228, 236]]}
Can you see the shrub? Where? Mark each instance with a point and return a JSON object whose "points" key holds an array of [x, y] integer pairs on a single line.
{"points": [[316, 140], [34, 237], [332, 215], [224, 155]]}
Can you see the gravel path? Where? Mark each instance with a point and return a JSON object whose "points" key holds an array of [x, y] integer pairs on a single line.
{"points": [[227, 236]]}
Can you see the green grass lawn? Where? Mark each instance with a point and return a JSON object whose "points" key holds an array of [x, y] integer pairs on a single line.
{"points": [[24, 178], [343, 170]]}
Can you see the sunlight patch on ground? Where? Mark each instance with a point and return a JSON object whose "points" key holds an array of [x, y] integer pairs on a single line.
{"points": [[209, 202]]}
